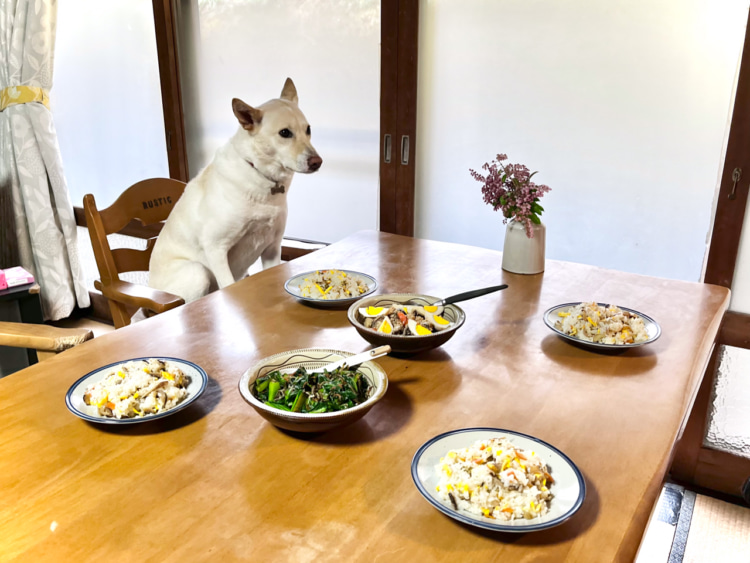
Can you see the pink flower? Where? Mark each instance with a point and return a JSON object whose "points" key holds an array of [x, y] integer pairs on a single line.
{"points": [[508, 187]]}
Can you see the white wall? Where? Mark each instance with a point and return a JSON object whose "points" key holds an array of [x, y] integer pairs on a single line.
{"points": [[621, 106], [106, 98]]}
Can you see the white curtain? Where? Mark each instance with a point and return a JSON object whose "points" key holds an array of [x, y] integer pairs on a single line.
{"points": [[30, 164]]}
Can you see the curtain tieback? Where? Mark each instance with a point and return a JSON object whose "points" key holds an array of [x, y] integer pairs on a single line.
{"points": [[14, 95]]}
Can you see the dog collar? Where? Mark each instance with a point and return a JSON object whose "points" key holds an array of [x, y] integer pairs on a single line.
{"points": [[277, 188]]}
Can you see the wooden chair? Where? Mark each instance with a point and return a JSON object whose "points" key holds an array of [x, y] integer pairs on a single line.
{"points": [[46, 340], [149, 202]]}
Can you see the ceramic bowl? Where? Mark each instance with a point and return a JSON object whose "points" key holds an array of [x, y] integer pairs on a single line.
{"points": [[311, 358], [405, 344]]}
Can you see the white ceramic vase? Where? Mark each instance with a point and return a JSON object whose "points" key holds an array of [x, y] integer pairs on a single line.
{"points": [[521, 254]]}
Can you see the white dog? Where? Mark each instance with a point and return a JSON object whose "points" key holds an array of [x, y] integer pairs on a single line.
{"points": [[235, 209]]}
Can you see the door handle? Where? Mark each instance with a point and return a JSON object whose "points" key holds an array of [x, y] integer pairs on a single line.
{"points": [[405, 149], [387, 149], [736, 176]]}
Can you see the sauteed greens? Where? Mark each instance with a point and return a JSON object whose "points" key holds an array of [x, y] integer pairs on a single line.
{"points": [[312, 392]]}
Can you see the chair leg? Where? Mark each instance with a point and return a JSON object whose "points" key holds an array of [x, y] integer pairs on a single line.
{"points": [[120, 316]]}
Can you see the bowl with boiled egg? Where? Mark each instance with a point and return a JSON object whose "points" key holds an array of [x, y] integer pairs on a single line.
{"points": [[407, 322]]}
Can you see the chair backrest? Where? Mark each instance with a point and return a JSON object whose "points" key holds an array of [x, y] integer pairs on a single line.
{"points": [[150, 202]]}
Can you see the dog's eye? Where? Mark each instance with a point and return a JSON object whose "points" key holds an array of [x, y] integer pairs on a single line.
{"points": [[286, 133], [308, 131]]}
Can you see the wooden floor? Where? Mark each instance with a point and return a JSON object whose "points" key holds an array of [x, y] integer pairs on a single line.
{"points": [[685, 527]]}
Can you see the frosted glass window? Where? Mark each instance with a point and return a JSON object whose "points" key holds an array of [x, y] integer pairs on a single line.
{"points": [[331, 49], [729, 415], [106, 98], [622, 107]]}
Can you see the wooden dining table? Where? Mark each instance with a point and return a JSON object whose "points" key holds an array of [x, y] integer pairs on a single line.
{"points": [[216, 482]]}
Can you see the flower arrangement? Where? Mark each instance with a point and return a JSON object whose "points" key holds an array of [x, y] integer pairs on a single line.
{"points": [[508, 187]]}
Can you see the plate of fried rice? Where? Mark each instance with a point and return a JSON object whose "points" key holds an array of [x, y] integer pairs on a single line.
{"points": [[331, 288], [602, 326], [136, 390], [498, 479]]}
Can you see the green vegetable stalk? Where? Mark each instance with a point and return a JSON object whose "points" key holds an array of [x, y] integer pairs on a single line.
{"points": [[305, 392]]}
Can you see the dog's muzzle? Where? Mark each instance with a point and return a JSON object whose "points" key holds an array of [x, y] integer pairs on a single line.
{"points": [[314, 163]]}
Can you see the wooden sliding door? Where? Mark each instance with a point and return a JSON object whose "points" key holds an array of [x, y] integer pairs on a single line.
{"points": [[398, 114]]}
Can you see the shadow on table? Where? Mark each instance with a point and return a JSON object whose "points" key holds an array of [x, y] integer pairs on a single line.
{"points": [[437, 371], [385, 418], [431, 527], [433, 355], [323, 318], [632, 361], [199, 409]]}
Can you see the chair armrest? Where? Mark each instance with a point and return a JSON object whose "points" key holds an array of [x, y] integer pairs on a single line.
{"points": [[136, 295], [42, 337]]}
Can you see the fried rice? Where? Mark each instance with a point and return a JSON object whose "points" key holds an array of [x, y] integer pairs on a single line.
{"points": [[332, 285], [495, 479], [607, 325], [138, 388]]}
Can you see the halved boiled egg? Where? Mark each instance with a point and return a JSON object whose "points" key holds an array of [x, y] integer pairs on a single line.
{"points": [[417, 329], [437, 321], [371, 311], [434, 309], [386, 327]]}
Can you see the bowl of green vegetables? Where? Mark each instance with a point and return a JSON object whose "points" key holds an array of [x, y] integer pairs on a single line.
{"points": [[290, 391]]}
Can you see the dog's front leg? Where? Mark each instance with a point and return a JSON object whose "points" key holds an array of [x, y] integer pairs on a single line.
{"points": [[218, 263], [271, 256]]}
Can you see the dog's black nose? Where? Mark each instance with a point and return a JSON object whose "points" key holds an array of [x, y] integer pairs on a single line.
{"points": [[313, 163]]}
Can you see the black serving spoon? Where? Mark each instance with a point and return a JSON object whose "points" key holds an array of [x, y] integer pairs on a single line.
{"points": [[467, 295]]}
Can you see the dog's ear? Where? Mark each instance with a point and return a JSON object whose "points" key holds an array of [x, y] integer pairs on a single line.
{"points": [[289, 92], [248, 116]]}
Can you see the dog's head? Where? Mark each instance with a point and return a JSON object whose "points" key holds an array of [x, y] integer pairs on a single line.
{"points": [[277, 134]]}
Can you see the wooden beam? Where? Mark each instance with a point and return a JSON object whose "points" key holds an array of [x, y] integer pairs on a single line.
{"points": [[171, 90], [721, 471], [290, 253], [389, 143], [732, 199], [735, 330], [408, 56], [688, 447]]}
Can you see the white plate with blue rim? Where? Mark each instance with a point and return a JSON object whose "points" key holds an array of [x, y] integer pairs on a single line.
{"points": [[318, 297], [569, 488], [552, 316], [75, 403]]}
